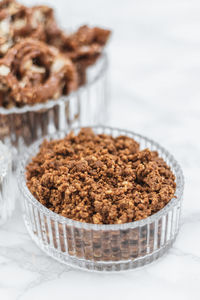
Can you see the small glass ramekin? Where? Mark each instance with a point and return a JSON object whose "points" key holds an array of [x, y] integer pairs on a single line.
{"points": [[103, 247], [7, 199], [19, 127]]}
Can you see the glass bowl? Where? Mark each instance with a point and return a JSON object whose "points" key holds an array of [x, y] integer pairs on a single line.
{"points": [[19, 127], [103, 247], [7, 199]]}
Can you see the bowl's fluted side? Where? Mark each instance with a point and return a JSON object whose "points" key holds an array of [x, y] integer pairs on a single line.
{"points": [[7, 197]]}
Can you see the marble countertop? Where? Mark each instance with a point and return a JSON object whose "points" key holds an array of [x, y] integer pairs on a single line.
{"points": [[154, 78]]}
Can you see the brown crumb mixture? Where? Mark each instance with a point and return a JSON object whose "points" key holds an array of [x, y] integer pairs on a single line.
{"points": [[100, 179]]}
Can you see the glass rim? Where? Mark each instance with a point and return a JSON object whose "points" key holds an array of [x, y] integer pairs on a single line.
{"points": [[31, 151], [53, 102]]}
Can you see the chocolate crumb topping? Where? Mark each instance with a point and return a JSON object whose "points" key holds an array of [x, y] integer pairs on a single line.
{"points": [[100, 179]]}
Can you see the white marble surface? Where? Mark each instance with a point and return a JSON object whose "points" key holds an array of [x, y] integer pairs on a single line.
{"points": [[155, 74]]}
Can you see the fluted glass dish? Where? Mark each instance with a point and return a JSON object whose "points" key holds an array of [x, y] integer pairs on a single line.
{"points": [[19, 127], [97, 247], [7, 199]]}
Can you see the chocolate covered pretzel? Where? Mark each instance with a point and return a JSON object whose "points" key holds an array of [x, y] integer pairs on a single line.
{"points": [[33, 72], [84, 47], [18, 22]]}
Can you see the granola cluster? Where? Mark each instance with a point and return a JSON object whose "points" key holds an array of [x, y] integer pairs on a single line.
{"points": [[32, 33], [100, 179]]}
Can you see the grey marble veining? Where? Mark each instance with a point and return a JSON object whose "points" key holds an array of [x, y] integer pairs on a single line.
{"points": [[154, 77]]}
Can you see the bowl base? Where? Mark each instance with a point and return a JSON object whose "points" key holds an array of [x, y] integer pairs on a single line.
{"points": [[99, 266]]}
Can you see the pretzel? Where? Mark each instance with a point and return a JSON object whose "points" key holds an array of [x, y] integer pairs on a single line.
{"points": [[18, 22], [33, 72], [25, 27], [83, 46]]}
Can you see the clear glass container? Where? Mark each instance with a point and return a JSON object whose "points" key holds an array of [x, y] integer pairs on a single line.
{"points": [[7, 201], [103, 247], [20, 127]]}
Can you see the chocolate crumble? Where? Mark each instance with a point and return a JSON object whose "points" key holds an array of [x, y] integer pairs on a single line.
{"points": [[100, 179]]}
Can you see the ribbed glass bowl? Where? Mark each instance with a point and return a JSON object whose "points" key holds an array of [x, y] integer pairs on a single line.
{"points": [[103, 247], [19, 127], [7, 197]]}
